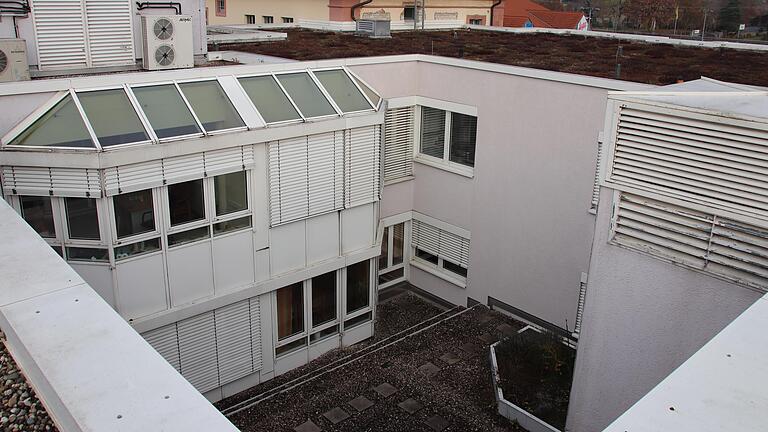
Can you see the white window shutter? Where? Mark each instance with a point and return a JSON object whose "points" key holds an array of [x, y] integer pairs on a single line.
{"points": [[197, 351], [362, 165], [702, 158], [255, 311], [60, 34], [183, 168], [398, 143], [325, 172], [596, 184], [454, 248], [580, 307], [135, 177], [228, 160], [110, 32], [64, 182], [233, 341], [288, 180], [439, 242], [165, 340]]}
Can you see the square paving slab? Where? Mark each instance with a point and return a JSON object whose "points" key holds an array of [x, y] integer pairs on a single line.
{"points": [[307, 426], [488, 338], [450, 358], [385, 389], [506, 329], [410, 405], [361, 403], [336, 415], [437, 423], [470, 348], [429, 369]]}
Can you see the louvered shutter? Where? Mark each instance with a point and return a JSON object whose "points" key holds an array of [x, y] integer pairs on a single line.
{"points": [[233, 341], [64, 182], [165, 340], [130, 178], [110, 33], [436, 241], [197, 351], [702, 158], [255, 311], [60, 34], [228, 160], [288, 177], [432, 132], [426, 237], [717, 245], [326, 172], [596, 184], [398, 143], [454, 248], [580, 307], [182, 168], [362, 165]]}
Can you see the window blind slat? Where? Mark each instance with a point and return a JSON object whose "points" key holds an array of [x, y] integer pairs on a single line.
{"points": [[398, 143], [432, 132]]}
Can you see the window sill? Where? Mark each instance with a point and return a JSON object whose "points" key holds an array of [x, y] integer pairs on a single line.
{"points": [[447, 166], [436, 272]]}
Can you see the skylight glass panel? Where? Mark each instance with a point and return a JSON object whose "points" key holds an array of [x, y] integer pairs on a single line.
{"points": [[61, 126], [166, 111], [306, 94], [211, 105], [112, 117], [343, 91], [269, 99], [375, 98]]}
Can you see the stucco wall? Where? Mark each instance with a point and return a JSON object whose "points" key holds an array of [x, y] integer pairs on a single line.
{"points": [[643, 318], [296, 9]]}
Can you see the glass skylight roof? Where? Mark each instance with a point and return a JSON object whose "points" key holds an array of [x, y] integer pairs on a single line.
{"points": [[103, 118], [343, 91]]}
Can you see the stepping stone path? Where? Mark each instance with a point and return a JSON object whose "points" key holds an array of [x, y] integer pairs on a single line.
{"points": [[506, 329], [336, 415], [429, 369], [488, 338], [450, 358], [307, 426], [385, 390], [437, 423], [410, 405], [470, 348], [360, 403]]}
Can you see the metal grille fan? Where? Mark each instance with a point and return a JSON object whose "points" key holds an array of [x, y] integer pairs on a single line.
{"points": [[163, 29], [164, 55], [3, 61]]}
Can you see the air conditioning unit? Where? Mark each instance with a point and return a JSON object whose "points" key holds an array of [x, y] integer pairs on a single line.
{"points": [[167, 42], [373, 28], [13, 60]]}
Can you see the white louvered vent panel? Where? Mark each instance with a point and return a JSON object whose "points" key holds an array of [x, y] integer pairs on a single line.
{"points": [[65, 182], [705, 160], [229, 160], [596, 184], [362, 165], [110, 33], [183, 168], [60, 34], [730, 249], [326, 173], [426, 237], [580, 307], [255, 310], [398, 143], [131, 178], [233, 341], [289, 194], [197, 349], [165, 341]]}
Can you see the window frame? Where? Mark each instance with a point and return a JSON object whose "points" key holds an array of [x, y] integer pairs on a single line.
{"points": [[136, 238], [328, 324], [325, 94], [330, 98], [267, 19], [303, 334], [372, 280], [445, 162], [221, 12], [136, 108], [391, 266], [287, 20], [437, 269], [175, 84], [301, 118], [250, 19], [200, 123]]}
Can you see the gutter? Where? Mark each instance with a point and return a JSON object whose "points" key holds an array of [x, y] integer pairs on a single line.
{"points": [[498, 2], [358, 5]]}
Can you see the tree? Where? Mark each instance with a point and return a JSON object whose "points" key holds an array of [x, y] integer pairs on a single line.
{"points": [[730, 16], [651, 14]]}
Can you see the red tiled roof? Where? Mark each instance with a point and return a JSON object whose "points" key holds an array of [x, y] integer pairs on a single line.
{"points": [[519, 8], [555, 19], [515, 21]]}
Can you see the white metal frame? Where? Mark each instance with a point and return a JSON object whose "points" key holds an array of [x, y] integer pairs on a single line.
{"points": [[303, 334], [280, 86], [336, 322], [354, 76], [137, 238], [186, 104], [390, 242], [444, 162], [345, 71], [216, 81], [372, 279], [337, 113]]}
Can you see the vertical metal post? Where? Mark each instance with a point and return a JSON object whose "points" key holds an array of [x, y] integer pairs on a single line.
{"points": [[704, 26]]}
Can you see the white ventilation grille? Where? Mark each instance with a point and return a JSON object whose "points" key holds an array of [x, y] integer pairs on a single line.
{"points": [[60, 34], [398, 143], [580, 307], [65, 182], [444, 244], [723, 247], [362, 165], [596, 185], [702, 158], [110, 32]]}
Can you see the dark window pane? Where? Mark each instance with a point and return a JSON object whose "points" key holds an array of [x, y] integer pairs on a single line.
{"points": [[392, 275], [397, 245], [87, 254], [357, 320], [185, 202], [432, 132], [137, 248], [454, 268], [231, 225], [358, 286], [211, 105], [112, 117], [82, 218], [37, 212], [463, 137], [188, 236], [57, 249], [384, 257], [426, 256], [166, 110], [293, 346], [323, 298], [322, 334], [134, 213], [231, 193], [290, 310]]}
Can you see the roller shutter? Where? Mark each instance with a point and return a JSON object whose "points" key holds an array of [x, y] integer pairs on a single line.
{"points": [[165, 340], [398, 143], [444, 244], [197, 349], [65, 182], [362, 165]]}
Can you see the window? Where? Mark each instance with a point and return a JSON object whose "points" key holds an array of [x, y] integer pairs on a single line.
{"points": [[211, 105], [166, 111], [463, 138], [457, 146], [112, 117], [138, 248], [409, 13], [231, 191], [323, 299], [38, 213], [231, 225], [343, 90], [454, 268], [290, 310], [134, 213], [306, 95], [250, 19], [186, 202], [82, 218], [441, 252], [188, 236], [384, 257], [267, 19], [352, 322], [426, 256], [432, 132], [221, 7], [287, 20], [269, 99], [87, 254], [475, 21], [398, 143], [391, 267], [358, 286], [61, 126]]}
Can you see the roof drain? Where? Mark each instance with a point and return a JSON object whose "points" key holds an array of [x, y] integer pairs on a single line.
{"points": [[498, 2], [359, 5], [159, 5]]}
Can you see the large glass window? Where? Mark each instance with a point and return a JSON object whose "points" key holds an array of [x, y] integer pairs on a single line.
{"points": [[38, 213], [343, 91], [463, 138], [211, 105], [306, 95], [323, 298], [398, 239], [134, 213], [384, 256], [231, 191], [358, 286], [87, 254], [82, 218], [432, 132], [290, 310], [269, 99], [61, 126], [166, 111], [112, 117], [372, 96], [186, 202]]}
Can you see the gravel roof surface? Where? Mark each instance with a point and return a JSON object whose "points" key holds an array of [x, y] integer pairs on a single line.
{"points": [[458, 394], [594, 56], [20, 410]]}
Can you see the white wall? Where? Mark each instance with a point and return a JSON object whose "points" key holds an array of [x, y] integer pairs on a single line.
{"points": [[643, 318]]}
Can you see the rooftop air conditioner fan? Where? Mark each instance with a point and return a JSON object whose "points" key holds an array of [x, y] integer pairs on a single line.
{"points": [[164, 55], [163, 29], [167, 42], [13, 60], [3, 61]]}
